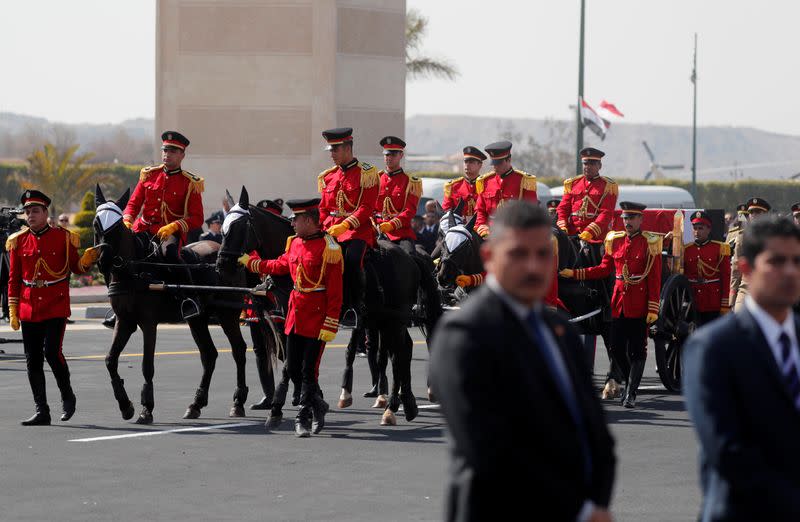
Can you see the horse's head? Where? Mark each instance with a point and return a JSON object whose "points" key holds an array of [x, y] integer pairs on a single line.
{"points": [[109, 231], [460, 253], [451, 218], [237, 236]]}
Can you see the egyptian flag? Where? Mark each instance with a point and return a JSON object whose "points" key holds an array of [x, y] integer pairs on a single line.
{"points": [[592, 120], [608, 112]]}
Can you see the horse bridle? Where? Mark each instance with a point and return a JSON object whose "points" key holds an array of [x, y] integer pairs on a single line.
{"points": [[230, 255]]}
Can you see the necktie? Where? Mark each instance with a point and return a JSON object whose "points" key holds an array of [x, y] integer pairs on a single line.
{"points": [[789, 369], [564, 387]]}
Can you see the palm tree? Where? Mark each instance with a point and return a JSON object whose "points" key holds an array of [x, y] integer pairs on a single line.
{"points": [[62, 174], [422, 66]]}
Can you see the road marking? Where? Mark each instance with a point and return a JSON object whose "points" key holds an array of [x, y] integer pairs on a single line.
{"points": [[159, 354], [428, 406], [164, 432]]}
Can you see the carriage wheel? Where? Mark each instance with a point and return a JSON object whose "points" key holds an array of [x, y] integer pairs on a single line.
{"points": [[676, 321]]}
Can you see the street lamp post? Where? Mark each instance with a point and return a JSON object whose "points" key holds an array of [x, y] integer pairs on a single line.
{"points": [[578, 118], [694, 123]]}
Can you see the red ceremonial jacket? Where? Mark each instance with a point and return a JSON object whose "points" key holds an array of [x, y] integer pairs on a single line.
{"points": [[165, 198], [494, 189], [35, 260], [588, 205], [398, 198], [349, 194], [459, 190], [637, 261], [708, 269], [315, 265]]}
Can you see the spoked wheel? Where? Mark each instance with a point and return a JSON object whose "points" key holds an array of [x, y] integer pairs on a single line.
{"points": [[676, 321]]}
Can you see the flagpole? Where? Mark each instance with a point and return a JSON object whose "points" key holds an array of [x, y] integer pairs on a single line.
{"points": [[694, 124], [578, 119]]}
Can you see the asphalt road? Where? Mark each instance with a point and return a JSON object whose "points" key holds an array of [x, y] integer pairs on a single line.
{"points": [[100, 467]]}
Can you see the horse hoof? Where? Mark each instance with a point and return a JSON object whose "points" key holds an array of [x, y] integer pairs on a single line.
{"points": [[128, 412], [380, 402], [236, 411], [388, 418], [345, 400], [431, 396], [192, 413], [145, 417]]}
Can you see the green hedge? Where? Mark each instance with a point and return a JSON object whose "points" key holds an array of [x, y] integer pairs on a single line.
{"points": [[710, 194]]}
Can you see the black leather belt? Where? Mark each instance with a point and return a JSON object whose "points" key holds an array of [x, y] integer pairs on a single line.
{"points": [[41, 283], [703, 281]]}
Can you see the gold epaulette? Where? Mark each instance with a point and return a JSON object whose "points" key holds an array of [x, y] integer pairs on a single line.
{"points": [[414, 186], [610, 237], [448, 187], [74, 238], [369, 175], [11, 242], [145, 172], [333, 251], [528, 181], [289, 242], [654, 242], [197, 183], [568, 184], [321, 178], [611, 186], [480, 183], [724, 248]]}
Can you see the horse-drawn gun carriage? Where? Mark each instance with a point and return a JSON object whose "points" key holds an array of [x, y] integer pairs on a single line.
{"points": [[588, 302]]}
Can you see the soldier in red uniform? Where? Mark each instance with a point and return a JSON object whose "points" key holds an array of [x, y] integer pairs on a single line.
{"points": [[636, 257], [169, 198], [313, 259], [349, 193], [41, 258], [587, 206], [398, 197], [463, 189], [500, 185], [707, 266]]}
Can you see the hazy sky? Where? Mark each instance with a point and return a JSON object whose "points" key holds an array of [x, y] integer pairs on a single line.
{"points": [[93, 60]]}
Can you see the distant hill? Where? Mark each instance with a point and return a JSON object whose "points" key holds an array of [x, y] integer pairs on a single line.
{"points": [[719, 149]]}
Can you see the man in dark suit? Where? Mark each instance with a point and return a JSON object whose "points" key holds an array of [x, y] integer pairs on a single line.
{"points": [[742, 386], [429, 234], [549, 426]]}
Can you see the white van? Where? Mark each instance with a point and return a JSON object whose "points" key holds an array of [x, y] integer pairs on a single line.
{"points": [[433, 188], [654, 196]]}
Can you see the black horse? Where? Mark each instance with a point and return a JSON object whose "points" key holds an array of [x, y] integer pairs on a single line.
{"points": [[459, 254], [128, 261]]}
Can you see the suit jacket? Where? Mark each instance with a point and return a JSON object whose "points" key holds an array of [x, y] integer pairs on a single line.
{"points": [[749, 430], [506, 416], [428, 239]]}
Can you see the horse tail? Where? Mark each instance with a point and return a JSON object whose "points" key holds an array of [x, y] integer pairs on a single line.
{"points": [[430, 295]]}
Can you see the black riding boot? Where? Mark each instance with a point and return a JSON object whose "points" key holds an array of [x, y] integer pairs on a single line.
{"points": [[148, 403], [42, 415], [239, 398], [125, 404], [319, 408], [302, 423], [68, 404], [637, 369]]}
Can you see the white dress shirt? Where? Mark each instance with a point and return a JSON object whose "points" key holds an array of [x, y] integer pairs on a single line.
{"points": [[772, 331]]}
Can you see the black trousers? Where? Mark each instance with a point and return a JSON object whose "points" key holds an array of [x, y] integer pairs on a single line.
{"points": [[43, 340], [353, 277], [303, 355], [706, 317], [628, 341]]}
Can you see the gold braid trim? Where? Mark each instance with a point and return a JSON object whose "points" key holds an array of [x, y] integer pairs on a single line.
{"points": [[448, 188], [331, 255], [42, 264], [610, 237], [369, 175], [654, 245], [321, 178], [333, 251], [74, 239], [289, 242], [480, 183], [528, 182], [568, 184], [146, 171], [724, 248], [611, 187], [414, 187], [11, 242]]}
